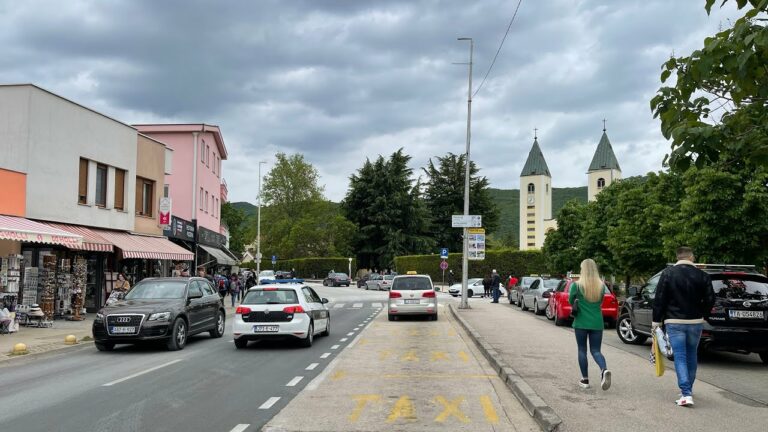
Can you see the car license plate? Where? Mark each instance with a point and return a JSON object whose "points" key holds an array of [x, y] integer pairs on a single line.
{"points": [[742, 314], [123, 330], [412, 301], [265, 328]]}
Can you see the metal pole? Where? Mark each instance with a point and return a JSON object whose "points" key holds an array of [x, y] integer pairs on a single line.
{"points": [[464, 261], [258, 229]]}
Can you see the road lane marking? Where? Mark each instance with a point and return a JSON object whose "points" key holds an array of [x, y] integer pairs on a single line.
{"points": [[240, 428], [351, 333], [489, 410], [376, 305], [339, 305], [152, 369], [356, 328], [450, 408], [294, 381], [357, 306], [410, 356], [403, 409], [326, 355], [312, 366], [343, 340], [438, 355], [362, 401], [268, 404], [335, 347], [463, 356], [384, 354]]}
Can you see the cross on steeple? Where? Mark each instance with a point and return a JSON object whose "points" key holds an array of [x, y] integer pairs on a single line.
{"points": [[604, 125], [535, 131]]}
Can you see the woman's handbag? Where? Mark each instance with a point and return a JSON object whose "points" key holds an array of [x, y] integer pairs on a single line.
{"points": [[575, 308]]}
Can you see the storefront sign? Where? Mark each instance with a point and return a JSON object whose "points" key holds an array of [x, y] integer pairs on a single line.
{"points": [[165, 211], [22, 236], [180, 229], [210, 238]]}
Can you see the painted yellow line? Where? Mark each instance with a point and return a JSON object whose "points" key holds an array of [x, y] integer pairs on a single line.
{"points": [[451, 409], [403, 409], [463, 356], [410, 356], [489, 410], [438, 355], [362, 401], [338, 375]]}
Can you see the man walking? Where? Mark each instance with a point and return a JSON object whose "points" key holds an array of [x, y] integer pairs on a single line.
{"points": [[450, 277], [495, 283], [684, 296]]}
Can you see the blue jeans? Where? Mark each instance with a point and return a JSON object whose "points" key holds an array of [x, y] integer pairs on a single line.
{"points": [[595, 338], [496, 295], [684, 339], [234, 297]]}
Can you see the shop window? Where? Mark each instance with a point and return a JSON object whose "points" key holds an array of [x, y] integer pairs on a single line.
{"points": [[531, 188], [82, 187], [144, 196], [120, 189], [101, 185], [600, 183]]}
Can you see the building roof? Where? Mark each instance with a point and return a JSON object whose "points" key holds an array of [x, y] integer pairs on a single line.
{"points": [[604, 157], [194, 127], [535, 165]]}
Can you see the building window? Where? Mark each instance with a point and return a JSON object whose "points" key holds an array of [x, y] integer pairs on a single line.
{"points": [[530, 237], [219, 170], [206, 201], [531, 222], [531, 229], [144, 196], [531, 207], [208, 156], [201, 198], [531, 188], [82, 187], [166, 191], [214, 162], [547, 187], [119, 189], [202, 151], [531, 244], [101, 185], [216, 209], [600, 183], [531, 214]]}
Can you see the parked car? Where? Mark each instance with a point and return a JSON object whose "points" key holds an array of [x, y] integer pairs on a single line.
{"points": [[373, 281], [737, 321], [161, 309], [412, 295], [559, 308], [386, 282], [361, 282], [266, 275], [474, 286], [514, 295], [336, 279], [537, 295], [281, 311]]}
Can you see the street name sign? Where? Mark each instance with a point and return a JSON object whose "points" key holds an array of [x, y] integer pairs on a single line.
{"points": [[466, 221]]}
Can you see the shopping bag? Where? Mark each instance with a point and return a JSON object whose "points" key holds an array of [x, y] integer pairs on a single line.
{"points": [[656, 357], [664, 345]]}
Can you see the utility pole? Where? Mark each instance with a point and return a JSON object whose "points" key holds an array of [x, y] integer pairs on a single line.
{"points": [[464, 259], [258, 229]]}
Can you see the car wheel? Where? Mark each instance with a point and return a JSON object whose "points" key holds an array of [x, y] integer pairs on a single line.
{"points": [[178, 335], [327, 327], [536, 310], [523, 305], [307, 341], [105, 346], [509, 297], [626, 333], [548, 312], [325, 283], [559, 321], [392, 317], [764, 357], [241, 343], [218, 331], [470, 293], [433, 317]]}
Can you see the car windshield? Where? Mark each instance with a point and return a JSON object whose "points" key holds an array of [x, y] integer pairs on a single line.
{"points": [[267, 273], [157, 289], [740, 287], [280, 296], [412, 283], [527, 281], [551, 283], [340, 275], [389, 277]]}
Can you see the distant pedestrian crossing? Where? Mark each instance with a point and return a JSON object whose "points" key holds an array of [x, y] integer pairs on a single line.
{"points": [[358, 305]]}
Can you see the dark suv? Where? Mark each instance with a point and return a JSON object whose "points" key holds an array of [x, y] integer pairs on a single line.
{"points": [[738, 321], [161, 309]]}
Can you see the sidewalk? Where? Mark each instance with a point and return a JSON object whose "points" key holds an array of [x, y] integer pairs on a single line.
{"points": [[545, 357], [40, 340]]}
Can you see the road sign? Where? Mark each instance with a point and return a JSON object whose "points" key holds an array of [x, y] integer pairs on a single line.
{"points": [[274, 259], [476, 244], [443, 265], [466, 221], [444, 253]]}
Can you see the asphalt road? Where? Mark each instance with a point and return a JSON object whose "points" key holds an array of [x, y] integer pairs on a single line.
{"points": [[209, 386], [744, 375]]}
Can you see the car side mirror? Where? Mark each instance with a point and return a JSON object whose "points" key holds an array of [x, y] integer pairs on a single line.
{"points": [[632, 291], [324, 300], [195, 295]]}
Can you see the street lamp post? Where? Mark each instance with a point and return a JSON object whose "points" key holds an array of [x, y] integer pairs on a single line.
{"points": [[258, 228], [350, 268], [464, 261]]}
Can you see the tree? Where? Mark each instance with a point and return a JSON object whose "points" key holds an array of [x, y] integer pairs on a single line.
{"points": [[718, 105], [561, 245], [235, 220], [444, 196], [291, 183]]}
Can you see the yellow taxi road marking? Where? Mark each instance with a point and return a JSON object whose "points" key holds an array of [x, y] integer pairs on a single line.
{"points": [[489, 410], [137, 374], [450, 408], [294, 381], [463, 356], [403, 409], [312, 366], [410, 356], [240, 428], [268, 404], [335, 347], [438, 355], [338, 375], [325, 355], [362, 401]]}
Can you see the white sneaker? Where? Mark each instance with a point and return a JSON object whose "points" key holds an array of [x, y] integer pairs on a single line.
{"points": [[605, 381], [684, 401], [584, 383]]}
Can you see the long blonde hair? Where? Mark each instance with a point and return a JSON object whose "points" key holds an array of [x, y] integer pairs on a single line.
{"points": [[590, 280]]}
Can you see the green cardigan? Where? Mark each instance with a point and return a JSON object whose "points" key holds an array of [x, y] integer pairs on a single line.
{"points": [[590, 315]]}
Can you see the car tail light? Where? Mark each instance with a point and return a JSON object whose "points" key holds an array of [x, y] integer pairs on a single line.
{"points": [[429, 294], [293, 309], [394, 294], [242, 310]]}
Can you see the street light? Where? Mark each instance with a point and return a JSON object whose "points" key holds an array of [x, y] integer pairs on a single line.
{"points": [[464, 262], [350, 268], [258, 227]]}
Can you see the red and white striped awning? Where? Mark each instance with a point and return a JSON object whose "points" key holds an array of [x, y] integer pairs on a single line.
{"points": [[91, 241], [145, 247], [25, 230]]}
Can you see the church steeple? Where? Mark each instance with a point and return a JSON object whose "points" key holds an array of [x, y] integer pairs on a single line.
{"points": [[535, 199], [535, 164], [604, 168]]}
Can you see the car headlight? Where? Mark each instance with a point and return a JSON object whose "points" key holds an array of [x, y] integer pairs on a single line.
{"points": [[99, 316], [160, 316]]}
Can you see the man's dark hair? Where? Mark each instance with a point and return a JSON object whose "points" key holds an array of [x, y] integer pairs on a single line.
{"points": [[684, 252]]}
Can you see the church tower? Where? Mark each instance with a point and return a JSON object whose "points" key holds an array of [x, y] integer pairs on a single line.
{"points": [[535, 199], [604, 168]]}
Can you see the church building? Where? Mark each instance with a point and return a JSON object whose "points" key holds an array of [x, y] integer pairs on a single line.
{"points": [[536, 190]]}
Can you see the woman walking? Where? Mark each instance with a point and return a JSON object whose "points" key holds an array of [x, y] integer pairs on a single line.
{"points": [[587, 295], [234, 289]]}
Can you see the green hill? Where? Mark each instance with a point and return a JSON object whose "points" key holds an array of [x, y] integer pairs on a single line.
{"points": [[248, 208]]}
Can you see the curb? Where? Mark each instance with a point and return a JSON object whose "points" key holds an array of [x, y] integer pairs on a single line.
{"points": [[542, 413]]}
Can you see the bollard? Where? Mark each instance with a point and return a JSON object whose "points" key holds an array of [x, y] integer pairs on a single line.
{"points": [[19, 349], [70, 340]]}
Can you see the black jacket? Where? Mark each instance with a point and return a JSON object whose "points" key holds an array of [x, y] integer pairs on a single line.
{"points": [[683, 293]]}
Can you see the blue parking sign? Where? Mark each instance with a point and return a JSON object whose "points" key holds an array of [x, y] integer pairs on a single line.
{"points": [[274, 259], [443, 253]]}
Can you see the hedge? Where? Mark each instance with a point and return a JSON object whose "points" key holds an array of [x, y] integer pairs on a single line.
{"points": [[309, 268], [506, 262]]}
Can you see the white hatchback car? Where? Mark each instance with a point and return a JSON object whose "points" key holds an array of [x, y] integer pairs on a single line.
{"points": [[412, 295], [281, 311]]}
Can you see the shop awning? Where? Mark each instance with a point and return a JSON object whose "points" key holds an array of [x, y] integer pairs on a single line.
{"points": [[91, 240], [146, 247], [221, 256], [25, 230]]}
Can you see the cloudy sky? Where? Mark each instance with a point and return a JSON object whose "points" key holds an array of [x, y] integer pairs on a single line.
{"points": [[341, 81]]}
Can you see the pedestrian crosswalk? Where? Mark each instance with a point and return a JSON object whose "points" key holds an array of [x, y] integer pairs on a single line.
{"points": [[357, 305]]}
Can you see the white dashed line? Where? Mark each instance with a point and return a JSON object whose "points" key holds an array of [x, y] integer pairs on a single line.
{"points": [[343, 340], [312, 366], [356, 328], [351, 334], [111, 383], [268, 404], [357, 305], [240, 428], [294, 381], [376, 305], [338, 305], [326, 355], [335, 347]]}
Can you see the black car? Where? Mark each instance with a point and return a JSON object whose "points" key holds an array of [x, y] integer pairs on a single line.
{"points": [[336, 279], [738, 321], [361, 283], [161, 309]]}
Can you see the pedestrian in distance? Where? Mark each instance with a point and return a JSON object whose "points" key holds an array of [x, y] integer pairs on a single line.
{"points": [[684, 296], [450, 278], [586, 296], [234, 289], [495, 284], [487, 286]]}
